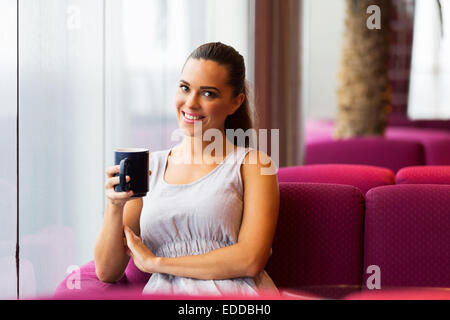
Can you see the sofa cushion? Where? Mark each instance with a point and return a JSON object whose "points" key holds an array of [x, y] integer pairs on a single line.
{"points": [[424, 175], [360, 176], [89, 284]]}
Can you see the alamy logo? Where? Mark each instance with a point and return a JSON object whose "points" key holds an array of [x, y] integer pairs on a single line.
{"points": [[257, 140], [374, 280], [374, 21], [74, 279], [73, 17]]}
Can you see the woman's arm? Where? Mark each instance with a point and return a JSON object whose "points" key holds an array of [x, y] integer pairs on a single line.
{"points": [[109, 252], [249, 255], [110, 255]]}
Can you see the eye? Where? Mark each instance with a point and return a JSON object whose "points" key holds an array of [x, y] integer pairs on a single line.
{"points": [[184, 88], [209, 94]]}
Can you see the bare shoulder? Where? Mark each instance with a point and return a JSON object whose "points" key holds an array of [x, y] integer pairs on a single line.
{"points": [[258, 164]]}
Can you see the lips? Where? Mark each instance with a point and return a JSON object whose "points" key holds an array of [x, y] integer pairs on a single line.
{"points": [[190, 117]]}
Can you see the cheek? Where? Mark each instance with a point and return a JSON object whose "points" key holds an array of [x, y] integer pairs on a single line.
{"points": [[179, 101], [215, 109]]}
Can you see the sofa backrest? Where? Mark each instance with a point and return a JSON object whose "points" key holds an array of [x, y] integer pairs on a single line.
{"points": [[407, 235], [380, 152], [319, 236], [436, 143]]}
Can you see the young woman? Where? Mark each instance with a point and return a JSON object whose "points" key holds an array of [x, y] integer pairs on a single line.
{"points": [[206, 226]]}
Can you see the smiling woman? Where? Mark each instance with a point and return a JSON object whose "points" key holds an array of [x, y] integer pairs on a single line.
{"points": [[215, 106], [205, 229], [215, 78]]}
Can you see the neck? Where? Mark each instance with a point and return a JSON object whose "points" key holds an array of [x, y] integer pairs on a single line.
{"points": [[198, 150]]}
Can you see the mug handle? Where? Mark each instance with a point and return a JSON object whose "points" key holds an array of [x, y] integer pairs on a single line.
{"points": [[124, 164]]}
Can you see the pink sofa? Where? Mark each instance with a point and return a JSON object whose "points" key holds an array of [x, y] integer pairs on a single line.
{"points": [[329, 233]]}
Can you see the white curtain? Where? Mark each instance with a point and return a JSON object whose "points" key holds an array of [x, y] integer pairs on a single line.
{"points": [[61, 136], [94, 75], [8, 141], [429, 96]]}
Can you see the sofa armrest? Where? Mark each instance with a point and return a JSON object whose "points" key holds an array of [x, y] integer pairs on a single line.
{"points": [[85, 281]]}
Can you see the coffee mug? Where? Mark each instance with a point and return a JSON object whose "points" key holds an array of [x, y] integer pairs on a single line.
{"points": [[134, 163]]}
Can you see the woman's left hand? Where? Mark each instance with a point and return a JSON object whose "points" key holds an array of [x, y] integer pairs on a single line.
{"points": [[143, 258]]}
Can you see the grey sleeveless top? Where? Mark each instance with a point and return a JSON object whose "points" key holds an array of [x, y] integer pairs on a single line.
{"points": [[195, 218]]}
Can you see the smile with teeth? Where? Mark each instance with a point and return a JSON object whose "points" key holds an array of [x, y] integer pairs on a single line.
{"points": [[191, 117]]}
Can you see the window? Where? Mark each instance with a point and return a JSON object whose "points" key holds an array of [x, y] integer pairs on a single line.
{"points": [[429, 96], [94, 75]]}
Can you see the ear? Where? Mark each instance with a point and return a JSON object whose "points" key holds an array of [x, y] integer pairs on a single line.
{"points": [[237, 102]]}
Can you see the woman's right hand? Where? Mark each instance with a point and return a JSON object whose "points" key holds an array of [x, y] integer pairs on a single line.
{"points": [[116, 198]]}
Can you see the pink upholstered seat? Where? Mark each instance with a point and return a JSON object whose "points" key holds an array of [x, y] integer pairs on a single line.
{"points": [[133, 280], [407, 234], [424, 175], [360, 176], [319, 236]]}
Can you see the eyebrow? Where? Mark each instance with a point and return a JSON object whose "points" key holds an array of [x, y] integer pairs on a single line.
{"points": [[203, 87]]}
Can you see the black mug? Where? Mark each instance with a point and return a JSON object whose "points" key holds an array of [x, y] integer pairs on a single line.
{"points": [[134, 162]]}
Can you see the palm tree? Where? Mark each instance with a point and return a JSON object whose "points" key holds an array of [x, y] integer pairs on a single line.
{"points": [[363, 90]]}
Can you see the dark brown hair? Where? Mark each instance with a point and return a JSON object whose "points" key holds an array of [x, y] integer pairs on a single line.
{"points": [[233, 61]]}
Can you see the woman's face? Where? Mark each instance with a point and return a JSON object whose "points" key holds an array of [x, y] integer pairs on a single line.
{"points": [[203, 96]]}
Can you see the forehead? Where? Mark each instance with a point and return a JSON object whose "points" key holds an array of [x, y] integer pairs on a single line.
{"points": [[204, 73]]}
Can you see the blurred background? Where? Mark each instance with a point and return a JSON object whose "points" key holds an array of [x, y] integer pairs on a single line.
{"points": [[79, 78]]}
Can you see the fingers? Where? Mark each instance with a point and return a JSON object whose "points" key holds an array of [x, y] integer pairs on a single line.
{"points": [[111, 171], [111, 182], [129, 233], [118, 198], [129, 239], [113, 195]]}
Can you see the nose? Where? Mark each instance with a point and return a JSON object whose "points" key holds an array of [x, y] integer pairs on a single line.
{"points": [[192, 101]]}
